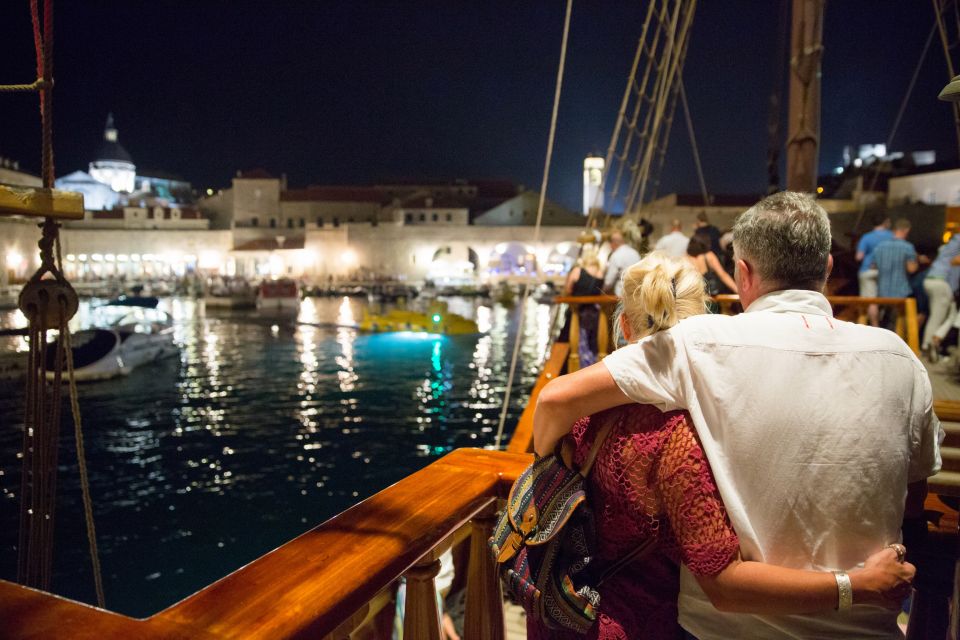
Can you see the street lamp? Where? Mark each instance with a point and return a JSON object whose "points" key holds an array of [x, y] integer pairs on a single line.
{"points": [[951, 92]]}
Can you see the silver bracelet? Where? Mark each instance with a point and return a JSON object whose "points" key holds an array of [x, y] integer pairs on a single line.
{"points": [[844, 591]]}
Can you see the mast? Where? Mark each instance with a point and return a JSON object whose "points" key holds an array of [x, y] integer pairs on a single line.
{"points": [[803, 138]]}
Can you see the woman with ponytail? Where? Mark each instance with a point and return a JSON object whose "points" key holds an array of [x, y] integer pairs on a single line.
{"points": [[651, 479]]}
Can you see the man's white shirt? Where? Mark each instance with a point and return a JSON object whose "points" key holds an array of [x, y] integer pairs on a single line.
{"points": [[622, 258], [813, 428], [673, 244]]}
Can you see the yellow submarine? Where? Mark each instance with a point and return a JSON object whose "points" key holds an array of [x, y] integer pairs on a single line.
{"points": [[436, 320]]}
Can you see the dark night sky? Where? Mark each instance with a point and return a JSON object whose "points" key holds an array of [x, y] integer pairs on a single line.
{"points": [[359, 92]]}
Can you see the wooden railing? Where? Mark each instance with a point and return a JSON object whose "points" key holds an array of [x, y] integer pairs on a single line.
{"points": [[607, 304], [327, 582]]}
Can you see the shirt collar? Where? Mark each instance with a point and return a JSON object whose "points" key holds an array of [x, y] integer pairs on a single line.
{"points": [[793, 301]]}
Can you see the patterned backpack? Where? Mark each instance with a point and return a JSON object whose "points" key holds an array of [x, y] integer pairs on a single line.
{"points": [[544, 542]]}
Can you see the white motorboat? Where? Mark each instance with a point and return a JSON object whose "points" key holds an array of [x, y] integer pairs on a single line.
{"points": [[129, 336], [278, 295]]}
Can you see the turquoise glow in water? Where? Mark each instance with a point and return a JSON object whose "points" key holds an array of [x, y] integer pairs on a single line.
{"points": [[261, 429]]}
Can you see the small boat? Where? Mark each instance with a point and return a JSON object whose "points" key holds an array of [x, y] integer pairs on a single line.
{"points": [[147, 302], [278, 295], [436, 320], [9, 297], [129, 337]]}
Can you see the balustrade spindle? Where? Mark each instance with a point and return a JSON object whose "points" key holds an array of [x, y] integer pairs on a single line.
{"points": [[573, 359], [603, 333], [421, 617], [483, 619]]}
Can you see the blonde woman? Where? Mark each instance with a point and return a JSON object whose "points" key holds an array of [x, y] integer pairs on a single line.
{"points": [[586, 279], [651, 480]]}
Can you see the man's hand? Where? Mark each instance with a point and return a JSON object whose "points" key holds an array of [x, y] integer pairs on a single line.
{"points": [[883, 581]]}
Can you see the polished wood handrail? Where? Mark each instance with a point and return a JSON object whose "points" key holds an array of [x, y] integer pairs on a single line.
{"points": [[522, 439], [605, 303], [312, 585]]}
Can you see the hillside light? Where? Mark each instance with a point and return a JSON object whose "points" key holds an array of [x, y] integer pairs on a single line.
{"points": [[951, 92]]}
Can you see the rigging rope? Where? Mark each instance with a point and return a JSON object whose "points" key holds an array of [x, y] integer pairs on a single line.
{"points": [[48, 303], [693, 143], [536, 228], [67, 349]]}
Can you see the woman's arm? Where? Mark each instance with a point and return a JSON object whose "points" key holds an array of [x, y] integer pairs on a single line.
{"points": [[572, 278], [755, 587], [697, 516], [714, 263], [565, 399]]}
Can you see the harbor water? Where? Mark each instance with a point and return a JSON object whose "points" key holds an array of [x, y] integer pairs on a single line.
{"points": [[261, 428]]}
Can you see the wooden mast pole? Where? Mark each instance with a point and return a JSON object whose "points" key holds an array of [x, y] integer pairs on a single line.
{"points": [[803, 140]]}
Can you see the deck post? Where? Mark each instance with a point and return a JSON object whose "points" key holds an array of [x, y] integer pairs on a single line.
{"points": [[603, 333], [573, 359], [483, 619], [913, 331], [421, 617]]}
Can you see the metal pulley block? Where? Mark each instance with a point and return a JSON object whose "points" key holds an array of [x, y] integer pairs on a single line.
{"points": [[43, 301]]}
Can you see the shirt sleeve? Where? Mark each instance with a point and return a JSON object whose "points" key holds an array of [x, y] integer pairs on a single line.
{"points": [[862, 244], [649, 372], [706, 541], [925, 438]]}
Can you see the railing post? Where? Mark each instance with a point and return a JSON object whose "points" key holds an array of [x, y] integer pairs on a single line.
{"points": [[483, 618], [421, 616], [913, 331], [603, 333], [573, 360]]}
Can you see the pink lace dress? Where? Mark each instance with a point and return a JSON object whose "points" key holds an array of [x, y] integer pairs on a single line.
{"points": [[651, 479]]}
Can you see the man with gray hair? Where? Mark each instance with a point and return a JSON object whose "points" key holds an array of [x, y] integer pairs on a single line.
{"points": [[816, 462]]}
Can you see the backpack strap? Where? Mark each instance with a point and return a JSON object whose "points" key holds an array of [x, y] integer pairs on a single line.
{"points": [[595, 449], [645, 546], [641, 550]]}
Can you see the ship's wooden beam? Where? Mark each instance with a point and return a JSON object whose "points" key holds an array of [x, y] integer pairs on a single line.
{"points": [[41, 203]]}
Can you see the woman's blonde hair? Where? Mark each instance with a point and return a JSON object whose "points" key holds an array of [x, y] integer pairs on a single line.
{"points": [[658, 292], [589, 257]]}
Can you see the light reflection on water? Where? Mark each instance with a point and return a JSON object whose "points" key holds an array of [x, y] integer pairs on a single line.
{"points": [[262, 428]]}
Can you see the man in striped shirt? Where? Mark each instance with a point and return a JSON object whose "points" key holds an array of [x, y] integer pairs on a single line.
{"points": [[895, 260]]}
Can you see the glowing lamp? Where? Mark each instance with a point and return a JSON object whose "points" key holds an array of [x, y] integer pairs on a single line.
{"points": [[436, 317], [13, 260]]}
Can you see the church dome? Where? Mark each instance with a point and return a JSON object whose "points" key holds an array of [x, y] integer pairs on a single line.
{"points": [[111, 150]]}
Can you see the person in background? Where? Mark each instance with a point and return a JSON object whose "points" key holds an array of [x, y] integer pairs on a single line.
{"points": [[820, 433], [895, 260], [673, 244], [867, 274], [651, 482], [941, 285], [586, 279], [622, 255], [703, 227], [708, 265]]}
